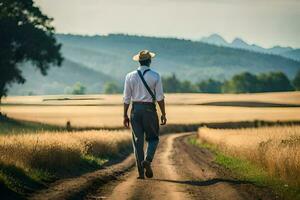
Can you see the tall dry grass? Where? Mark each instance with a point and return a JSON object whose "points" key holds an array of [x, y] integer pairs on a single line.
{"points": [[277, 149], [62, 150]]}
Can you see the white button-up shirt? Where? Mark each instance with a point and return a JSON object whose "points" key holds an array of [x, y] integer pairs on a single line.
{"points": [[134, 89]]}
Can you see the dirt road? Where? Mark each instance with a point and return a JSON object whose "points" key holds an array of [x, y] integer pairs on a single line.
{"points": [[181, 171]]}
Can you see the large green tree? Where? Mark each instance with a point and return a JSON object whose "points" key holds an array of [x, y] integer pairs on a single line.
{"points": [[26, 35], [273, 82]]}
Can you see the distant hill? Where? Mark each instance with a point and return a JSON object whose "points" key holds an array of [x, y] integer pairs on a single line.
{"points": [[188, 59], [241, 44], [94, 60], [60, 78], [293, 54]]}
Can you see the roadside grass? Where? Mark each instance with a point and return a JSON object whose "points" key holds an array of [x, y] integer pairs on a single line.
{"points": [[276, 148], [29, 162], [20, 182], [244, 170]]}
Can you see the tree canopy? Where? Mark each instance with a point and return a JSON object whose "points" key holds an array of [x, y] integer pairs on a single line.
{"points": [[210, 86], [112, 88], [78, 88], [172, 84], [26, 35], [240, 83], [273, 82]]}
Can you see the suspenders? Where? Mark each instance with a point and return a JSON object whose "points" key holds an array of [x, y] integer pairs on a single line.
{"points": [[145, 83], [147, 70]]}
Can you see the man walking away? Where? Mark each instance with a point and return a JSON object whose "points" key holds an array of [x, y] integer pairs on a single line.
{"points": [[143, 87]]}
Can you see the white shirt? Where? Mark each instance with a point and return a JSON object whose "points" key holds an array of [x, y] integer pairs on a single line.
{"points": [[134, 89]]}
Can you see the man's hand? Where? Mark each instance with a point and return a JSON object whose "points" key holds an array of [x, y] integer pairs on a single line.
{"points": [[126, 122], [163, 120], [126, 119]]}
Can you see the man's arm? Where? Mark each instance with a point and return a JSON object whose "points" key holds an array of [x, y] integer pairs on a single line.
{"points": [[163, 112], [126, 118], [160, 100], [126, 99]]}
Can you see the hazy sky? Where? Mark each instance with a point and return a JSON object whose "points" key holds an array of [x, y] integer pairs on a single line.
{"points": [[264, 22]]}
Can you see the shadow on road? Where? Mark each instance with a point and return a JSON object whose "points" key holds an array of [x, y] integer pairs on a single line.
{"points": [[204, 182]]}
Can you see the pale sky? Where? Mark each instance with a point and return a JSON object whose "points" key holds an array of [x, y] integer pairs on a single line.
{"points": [[264, 22]]}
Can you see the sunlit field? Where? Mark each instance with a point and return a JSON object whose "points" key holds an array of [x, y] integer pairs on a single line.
{"points": [[277, 149], [171, 99], [111, 116], [106, 110], [60, 151]]}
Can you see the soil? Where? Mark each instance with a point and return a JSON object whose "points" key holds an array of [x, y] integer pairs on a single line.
{"points": [[78, 188]]}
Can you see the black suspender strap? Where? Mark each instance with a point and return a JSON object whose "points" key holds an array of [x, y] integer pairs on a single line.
{"points": [[147, 70], [146, 85]]}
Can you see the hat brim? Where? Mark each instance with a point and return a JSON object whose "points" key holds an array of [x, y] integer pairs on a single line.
{"points": [[137, 57]]}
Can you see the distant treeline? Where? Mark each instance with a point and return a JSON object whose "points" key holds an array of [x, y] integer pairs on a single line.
{"points": [[240, 83]]}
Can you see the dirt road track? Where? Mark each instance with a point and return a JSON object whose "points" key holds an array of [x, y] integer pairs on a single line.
{"points": [[153, 188], [76, 188], [182, 171]]}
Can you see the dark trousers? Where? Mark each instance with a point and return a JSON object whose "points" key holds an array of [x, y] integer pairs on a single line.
{"points": [[145, 125]]}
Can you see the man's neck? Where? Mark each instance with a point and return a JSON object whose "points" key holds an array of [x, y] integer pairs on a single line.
{"points": [[143, 67]]}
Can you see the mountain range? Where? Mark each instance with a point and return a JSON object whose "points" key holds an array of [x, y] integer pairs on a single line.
{"points": [[218, 40], [94, 60]]}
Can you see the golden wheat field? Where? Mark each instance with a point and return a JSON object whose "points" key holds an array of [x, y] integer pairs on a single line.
{"points": [[275, 148], [106, 110], [56, 151]]}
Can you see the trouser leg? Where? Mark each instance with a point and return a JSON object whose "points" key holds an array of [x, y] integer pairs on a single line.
{"points": [[138, 141], [151, 148], [151, 126]]}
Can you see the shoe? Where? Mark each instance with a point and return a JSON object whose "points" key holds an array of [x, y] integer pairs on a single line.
{"points": [[140, 177], [147, 165]]}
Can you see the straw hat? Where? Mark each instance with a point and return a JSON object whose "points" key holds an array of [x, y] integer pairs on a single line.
{"points": [[143, 55]]}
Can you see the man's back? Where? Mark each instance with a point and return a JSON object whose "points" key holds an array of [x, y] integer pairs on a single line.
{"points": [[135, 90]]}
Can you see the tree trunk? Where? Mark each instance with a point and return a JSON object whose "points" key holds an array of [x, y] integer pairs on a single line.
{"points": [[0, 104], [2, 94]]}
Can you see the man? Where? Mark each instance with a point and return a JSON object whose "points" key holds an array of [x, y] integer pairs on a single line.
{"points": [[143, 87]]}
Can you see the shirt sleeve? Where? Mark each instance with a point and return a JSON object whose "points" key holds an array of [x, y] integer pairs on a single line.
{"points": [[127, 91], [159, 93]]}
